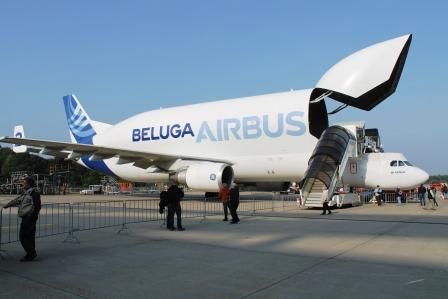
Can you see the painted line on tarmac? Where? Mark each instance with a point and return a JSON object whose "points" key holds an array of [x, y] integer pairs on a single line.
{"points": [[414, 281], [352, 219]]}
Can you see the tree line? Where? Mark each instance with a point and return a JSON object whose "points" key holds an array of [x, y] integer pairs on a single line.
{"points": [[11, 162], [438, 178]]}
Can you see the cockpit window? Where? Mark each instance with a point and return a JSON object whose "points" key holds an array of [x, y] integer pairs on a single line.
{"points": [[396, 163]]}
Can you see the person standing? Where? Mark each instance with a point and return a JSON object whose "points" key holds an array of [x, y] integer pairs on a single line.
{"points": [[171, 198], [299, 199], [178, 208], [234, 201], [325, 206], [430, 197], [29, 217], [421, 195], [444, 191], [163, 200], [433, 192], [378, 193], [223, 196], [174, 196], [398, 195]]}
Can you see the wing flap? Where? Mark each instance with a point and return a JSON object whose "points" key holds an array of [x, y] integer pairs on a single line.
{"points": [[143, 163]]}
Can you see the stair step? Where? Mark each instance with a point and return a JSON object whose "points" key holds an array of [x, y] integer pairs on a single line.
{"points": [[313, 205]]}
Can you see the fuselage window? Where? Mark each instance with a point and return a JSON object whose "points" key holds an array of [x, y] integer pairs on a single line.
{"points": [[400, 163], [393, 163]]}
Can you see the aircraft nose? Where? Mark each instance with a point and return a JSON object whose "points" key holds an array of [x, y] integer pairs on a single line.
{"points": [[422, 175]]}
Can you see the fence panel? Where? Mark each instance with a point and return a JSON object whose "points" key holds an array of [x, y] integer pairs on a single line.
{"points": [[98, 214], [389, 197], [53, 220], [142, 210]]}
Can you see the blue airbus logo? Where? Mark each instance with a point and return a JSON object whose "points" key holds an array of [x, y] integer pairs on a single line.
{"points": [[247, 127]]}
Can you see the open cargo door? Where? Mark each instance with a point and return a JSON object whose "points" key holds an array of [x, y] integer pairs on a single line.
{"points": [[367, 77]]}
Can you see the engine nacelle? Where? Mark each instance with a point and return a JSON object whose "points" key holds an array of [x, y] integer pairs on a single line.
{"points": [[206, 176]]}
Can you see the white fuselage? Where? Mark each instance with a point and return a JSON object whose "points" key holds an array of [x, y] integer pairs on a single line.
{"points": [[265, 139]]}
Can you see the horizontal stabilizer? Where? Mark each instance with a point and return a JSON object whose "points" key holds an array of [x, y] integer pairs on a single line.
{"points": [[19, 133]]}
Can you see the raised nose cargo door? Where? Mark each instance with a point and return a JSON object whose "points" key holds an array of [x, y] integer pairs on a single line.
{"points": [[367, 77]]}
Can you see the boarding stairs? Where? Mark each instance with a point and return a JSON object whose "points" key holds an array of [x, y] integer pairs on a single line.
{"points": [[326, 165]]}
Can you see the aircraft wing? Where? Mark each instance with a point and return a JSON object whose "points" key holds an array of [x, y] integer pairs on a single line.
{"points": [[77, 150]]}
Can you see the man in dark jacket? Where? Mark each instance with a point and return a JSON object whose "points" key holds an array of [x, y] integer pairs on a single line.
{"points": [[174, 196], [234, 201], [28, 224], [421, 195]]}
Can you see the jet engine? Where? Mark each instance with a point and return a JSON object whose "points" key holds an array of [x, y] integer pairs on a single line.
{"points": [[207, 176]]}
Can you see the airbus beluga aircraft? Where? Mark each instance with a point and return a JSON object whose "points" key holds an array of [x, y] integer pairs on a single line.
{"points": [[262, 140]]}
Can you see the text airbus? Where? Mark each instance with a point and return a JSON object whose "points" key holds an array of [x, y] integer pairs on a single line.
{"points": [[244, 128]]}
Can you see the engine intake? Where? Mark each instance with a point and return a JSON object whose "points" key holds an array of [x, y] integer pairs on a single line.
{"points": [[207, 176]]}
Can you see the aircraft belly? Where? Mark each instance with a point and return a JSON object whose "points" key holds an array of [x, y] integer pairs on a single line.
{"points": [[270, 168]]}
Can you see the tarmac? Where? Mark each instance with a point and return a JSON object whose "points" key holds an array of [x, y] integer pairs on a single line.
{"points": [[366, 251]]}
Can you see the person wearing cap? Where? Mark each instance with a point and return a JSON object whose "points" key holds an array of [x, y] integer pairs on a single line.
{"points": [[27, 234]]}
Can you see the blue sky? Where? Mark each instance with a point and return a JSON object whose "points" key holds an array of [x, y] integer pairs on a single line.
{"points": [[124, 57]]}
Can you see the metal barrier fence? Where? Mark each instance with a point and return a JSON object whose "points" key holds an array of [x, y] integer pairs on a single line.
{"points": [[66, 218], [390, 197]]}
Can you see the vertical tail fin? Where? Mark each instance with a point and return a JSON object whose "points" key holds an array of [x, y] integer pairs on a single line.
{"points": [[78, 121], [19, 132]]}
